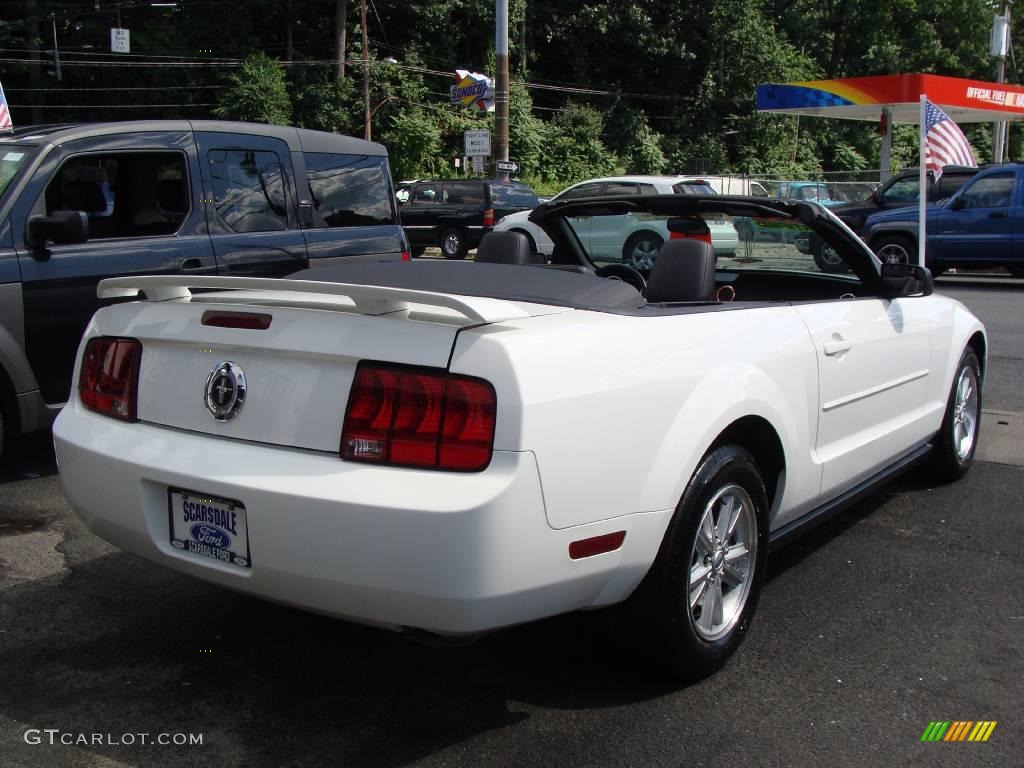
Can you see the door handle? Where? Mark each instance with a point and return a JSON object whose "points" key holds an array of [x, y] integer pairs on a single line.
{"points": [[998, 215], [195, 265], [836, 347]]}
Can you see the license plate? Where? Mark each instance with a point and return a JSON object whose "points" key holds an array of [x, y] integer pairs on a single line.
{"points": [[210, 526]]}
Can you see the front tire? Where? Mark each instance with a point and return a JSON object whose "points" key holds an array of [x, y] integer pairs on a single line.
{"points": [[701, 593], [961, 426], [895, 249], [453, 243]]}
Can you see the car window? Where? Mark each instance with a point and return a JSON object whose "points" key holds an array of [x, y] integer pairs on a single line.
{"points": [[902, 191], [11, 159], [515, 195], [693, 188], [248, 189], [758, 190], [993, 191], [349, 190], [426, 194], [463, 194], [620, 188], [124, 194], [583, 190]]}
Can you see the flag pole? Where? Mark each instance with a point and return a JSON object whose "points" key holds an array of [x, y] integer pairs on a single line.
{"points": [[922, 187]]}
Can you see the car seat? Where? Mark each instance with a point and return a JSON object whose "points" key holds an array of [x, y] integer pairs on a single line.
{"points": [[683, 271], [506, 248]]}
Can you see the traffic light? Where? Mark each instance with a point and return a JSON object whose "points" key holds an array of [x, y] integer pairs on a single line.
{"points": [[51, 56]]}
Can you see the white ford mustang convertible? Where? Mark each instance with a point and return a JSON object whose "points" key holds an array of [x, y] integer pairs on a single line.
{"points": [[458, 447]]}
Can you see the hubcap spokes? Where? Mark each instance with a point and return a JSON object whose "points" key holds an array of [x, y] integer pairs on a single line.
{"points": [[722, 562], [644, 254], [965, 413], [893, 254]]}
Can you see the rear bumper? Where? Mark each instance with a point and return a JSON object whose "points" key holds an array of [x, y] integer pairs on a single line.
{"points": [[444, 552]]}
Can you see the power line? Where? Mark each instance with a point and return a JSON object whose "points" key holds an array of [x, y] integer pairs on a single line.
{"points": [[109, 106], [120, 88]]}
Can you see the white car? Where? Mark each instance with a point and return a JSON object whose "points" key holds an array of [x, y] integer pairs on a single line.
{"points": [[632, 239], [427, 445]]}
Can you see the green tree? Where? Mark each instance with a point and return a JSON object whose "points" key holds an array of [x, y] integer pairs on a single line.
{"points": [[257, 92], [414, 145], [573, 148]]}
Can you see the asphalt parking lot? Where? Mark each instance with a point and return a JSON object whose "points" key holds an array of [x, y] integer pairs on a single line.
{"points": [[907, 609]]}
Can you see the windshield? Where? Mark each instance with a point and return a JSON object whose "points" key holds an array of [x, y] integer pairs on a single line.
{"points": [[741, 243], [11, 159]]}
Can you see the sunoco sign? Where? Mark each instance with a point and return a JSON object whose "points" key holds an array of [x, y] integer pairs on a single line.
{"points": [[473, 91]]}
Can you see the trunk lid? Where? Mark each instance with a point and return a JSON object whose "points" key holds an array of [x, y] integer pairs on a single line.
{"points": [[296, 372]]}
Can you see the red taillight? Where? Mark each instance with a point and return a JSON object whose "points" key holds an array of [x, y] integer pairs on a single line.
{"points": [[489, 217], [419, 418], [109, 380], [406, 256], [253, 321]]}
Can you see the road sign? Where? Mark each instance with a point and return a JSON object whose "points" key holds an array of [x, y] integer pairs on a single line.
{"points": [[508, 166], [478, 164], [120, 40], [478, 143]]}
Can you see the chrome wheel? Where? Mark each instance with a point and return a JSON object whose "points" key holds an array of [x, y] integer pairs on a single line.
{"points": [[452, 244], [965, 413], [722, 562], [893, 253], [643, 253], [830, 257]]}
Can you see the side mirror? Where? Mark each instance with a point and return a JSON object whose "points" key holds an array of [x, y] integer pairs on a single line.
{"points": [[956, 203], [62, 228], [906, 280]]}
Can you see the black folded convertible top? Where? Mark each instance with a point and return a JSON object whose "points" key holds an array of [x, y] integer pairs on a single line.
{"points": [[538, 284]]}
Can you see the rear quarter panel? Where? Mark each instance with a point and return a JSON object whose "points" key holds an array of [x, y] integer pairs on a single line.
{"points": [[619, 409]]}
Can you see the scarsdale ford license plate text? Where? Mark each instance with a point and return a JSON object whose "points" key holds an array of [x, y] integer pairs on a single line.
{"points": [[209, 526]]}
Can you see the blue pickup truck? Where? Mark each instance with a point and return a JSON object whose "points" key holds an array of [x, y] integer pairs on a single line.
{"points": [[976, 227]]}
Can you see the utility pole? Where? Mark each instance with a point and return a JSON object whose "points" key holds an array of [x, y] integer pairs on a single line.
{"points": [[501, 85], [340, 15], [1000, 42], [366, 71]]}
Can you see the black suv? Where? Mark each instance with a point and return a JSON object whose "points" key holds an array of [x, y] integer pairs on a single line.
{"points": [[900, 191], [82, 202], [455, 214]]}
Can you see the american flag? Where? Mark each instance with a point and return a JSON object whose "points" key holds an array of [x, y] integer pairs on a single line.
{"points": [[945, 143], [6, 124]]}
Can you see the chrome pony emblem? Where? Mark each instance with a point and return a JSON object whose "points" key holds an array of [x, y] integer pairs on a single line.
{"points": [[225, 391]]}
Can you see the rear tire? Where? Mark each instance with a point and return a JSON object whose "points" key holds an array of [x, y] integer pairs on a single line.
{"points": [[826, 258], [961, 426], [641, 249], [453, 243], [701, 593]]}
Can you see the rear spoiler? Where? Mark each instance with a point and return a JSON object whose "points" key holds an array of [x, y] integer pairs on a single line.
{"points": [[368, 299]]}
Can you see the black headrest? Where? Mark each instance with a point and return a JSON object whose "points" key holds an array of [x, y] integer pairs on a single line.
{"points": [[506, 248], [170, 195], [683, 271], [83, 196]]}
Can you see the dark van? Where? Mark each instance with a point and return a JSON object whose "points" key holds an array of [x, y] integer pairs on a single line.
{"points": [[455, 214], [79, 203]]}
